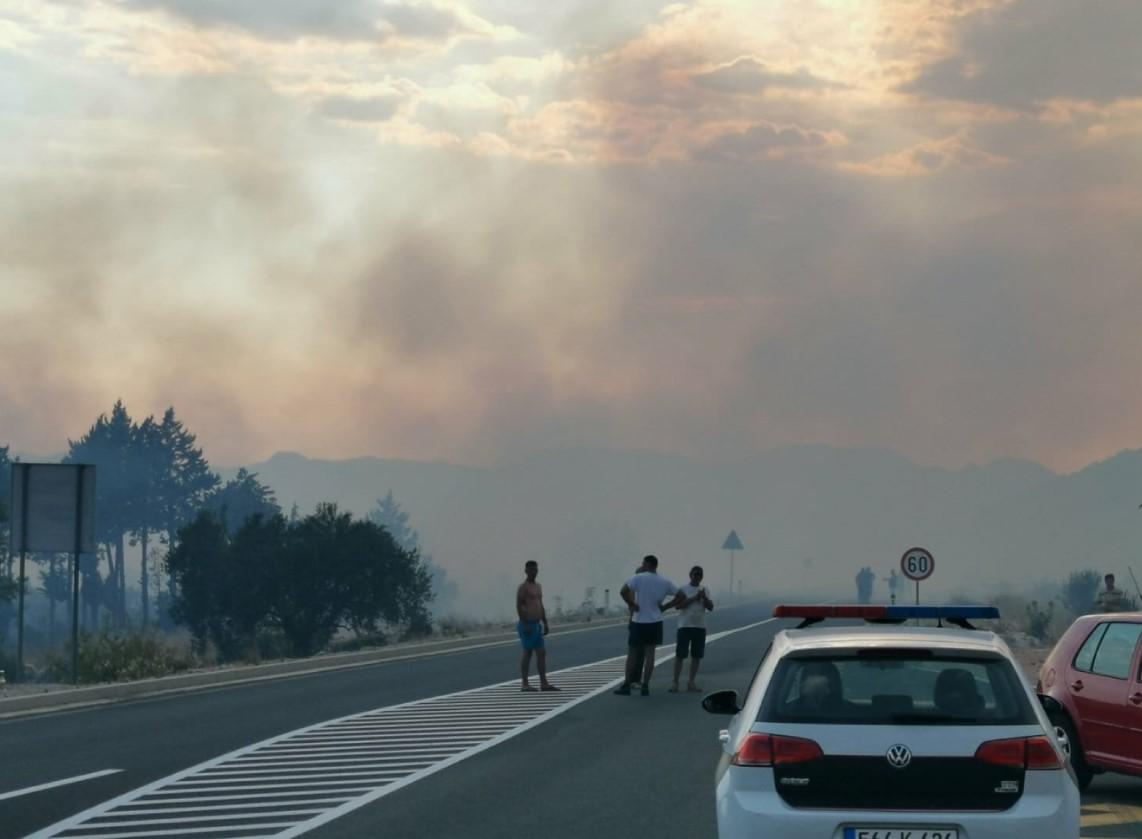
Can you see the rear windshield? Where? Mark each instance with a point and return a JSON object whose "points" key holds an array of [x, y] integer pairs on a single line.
{"points": [[896, 687]]}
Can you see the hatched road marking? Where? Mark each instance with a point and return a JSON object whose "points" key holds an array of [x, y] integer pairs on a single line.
{"points": [[293, 783]]}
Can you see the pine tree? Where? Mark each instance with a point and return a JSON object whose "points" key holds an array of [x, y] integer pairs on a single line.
{"points": [[241, 498], [109, 446], [188, 482]]}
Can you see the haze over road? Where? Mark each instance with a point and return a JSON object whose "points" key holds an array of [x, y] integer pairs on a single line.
{"points": [[572, 775]]}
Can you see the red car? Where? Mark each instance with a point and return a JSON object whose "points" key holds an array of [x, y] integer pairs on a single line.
{"points": [[1091, 688]]}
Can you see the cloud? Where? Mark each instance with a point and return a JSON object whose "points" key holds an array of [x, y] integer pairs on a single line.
{"points": [[351, 20], [369, 21], [746, 75], [360, 108], [927, 159], [764, 140], [304, 241], [1026, 53]]}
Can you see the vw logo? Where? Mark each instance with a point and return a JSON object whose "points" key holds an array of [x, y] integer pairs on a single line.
{"points": [[899, 756]]}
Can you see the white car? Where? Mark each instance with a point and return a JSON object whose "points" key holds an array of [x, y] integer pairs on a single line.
{"points": [[890, 732]]}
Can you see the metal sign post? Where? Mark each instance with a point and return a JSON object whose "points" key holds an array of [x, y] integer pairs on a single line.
{"points": [[732, 544]]}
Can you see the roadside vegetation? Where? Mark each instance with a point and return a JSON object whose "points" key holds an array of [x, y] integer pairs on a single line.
{"points": [[1040, 620], [224, 575]]}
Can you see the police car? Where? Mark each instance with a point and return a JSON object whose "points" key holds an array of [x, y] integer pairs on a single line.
{"points": [[890, 731]]}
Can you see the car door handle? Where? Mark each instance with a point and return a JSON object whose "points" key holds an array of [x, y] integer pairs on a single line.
{"points": [[1136, 699], [1077, 685], [724, 735]]}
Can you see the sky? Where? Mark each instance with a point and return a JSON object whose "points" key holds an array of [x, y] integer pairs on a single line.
{"points": [[469, 231]]}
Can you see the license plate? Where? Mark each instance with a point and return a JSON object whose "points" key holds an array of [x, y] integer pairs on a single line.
{"points": [[901, 833]]}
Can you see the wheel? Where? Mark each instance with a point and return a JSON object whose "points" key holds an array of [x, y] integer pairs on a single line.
{"points": [[1069, 739]]}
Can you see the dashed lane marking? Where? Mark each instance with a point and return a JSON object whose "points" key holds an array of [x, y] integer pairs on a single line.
{"points": [[293, 783], [75, 779]]}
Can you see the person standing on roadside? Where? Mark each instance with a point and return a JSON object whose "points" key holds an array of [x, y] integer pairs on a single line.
{"points": [[1111, 598], [640, 652], [691, 638], [644, 593], [532, 627]]}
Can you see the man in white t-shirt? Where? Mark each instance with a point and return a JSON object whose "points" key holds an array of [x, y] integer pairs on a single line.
{"points": [[644, 593], [691, 629]]}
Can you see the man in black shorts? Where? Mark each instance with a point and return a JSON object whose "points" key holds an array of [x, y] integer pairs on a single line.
{"points": [[644, 593], [691, 629]]}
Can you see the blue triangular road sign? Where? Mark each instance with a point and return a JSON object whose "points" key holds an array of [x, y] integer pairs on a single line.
{"points": [[732, 543]]}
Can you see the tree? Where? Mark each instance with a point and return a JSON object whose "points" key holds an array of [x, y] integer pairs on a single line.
{"points": [[389, 515], [110, 446], [55, 583], [198, 562], [150, 457], [5, 505], [1079, 591], [188, 478], [242, 498], [306, 578]]}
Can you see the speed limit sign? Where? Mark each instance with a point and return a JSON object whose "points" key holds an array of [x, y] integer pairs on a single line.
{"points": [[917, 564]]}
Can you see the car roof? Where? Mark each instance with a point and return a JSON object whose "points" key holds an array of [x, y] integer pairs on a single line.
{"points": [[919, 637], [1127, 617]]}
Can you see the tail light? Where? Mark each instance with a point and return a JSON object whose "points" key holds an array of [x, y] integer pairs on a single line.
{"points": [[775, 750], [1020, 753]]}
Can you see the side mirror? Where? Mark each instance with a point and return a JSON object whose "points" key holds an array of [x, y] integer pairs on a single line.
{"points": [[722, 702]]}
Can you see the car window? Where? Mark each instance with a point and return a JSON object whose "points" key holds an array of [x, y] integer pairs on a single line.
{"points": [[760, 665], [1085, 657], [870, 689], [1117, 650]]}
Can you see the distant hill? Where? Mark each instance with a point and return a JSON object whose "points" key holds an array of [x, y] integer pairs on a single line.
{"points": [[809, 516]]}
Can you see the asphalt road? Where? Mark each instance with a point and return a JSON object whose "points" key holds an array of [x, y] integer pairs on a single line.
{"points": [[606, 766]]}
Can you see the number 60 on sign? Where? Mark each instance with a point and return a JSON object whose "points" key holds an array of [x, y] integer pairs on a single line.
{"points": [[917, 564]]}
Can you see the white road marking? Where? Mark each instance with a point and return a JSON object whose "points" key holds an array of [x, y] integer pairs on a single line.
{"points": [[51, 784], [331, 768]]}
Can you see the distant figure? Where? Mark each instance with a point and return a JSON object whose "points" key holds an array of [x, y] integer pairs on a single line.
{"points": [[893, 584], [865, 579], [644, 593], [532, 627], [1111, 598], [691, 637]]}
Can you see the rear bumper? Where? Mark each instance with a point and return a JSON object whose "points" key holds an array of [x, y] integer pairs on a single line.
{"points": [[1048, 809]]}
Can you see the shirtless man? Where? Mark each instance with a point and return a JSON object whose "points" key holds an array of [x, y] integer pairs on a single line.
{"points": [[532, 627]]}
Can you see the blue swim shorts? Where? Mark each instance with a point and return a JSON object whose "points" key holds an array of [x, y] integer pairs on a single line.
{"points": [[530, 634]]}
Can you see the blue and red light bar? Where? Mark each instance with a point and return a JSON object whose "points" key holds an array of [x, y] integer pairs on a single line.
{"points": [[887, 613]]}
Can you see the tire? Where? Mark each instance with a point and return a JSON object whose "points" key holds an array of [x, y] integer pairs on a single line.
{"points": [[1083, 773]]}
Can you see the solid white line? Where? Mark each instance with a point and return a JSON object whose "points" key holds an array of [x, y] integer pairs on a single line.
{"points": [[302, 774], [284, 805], [294, 796], [182, 831], [316, 795], [196, 820], [246, 788], [28, 790]]}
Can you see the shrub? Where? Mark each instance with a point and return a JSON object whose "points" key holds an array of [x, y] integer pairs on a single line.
{"points": [[1079, 591], [1039, 620], [109, 656], [360, 641]]}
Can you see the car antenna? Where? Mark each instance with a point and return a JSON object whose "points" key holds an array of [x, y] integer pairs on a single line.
{"points": [[1135, 579]]}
